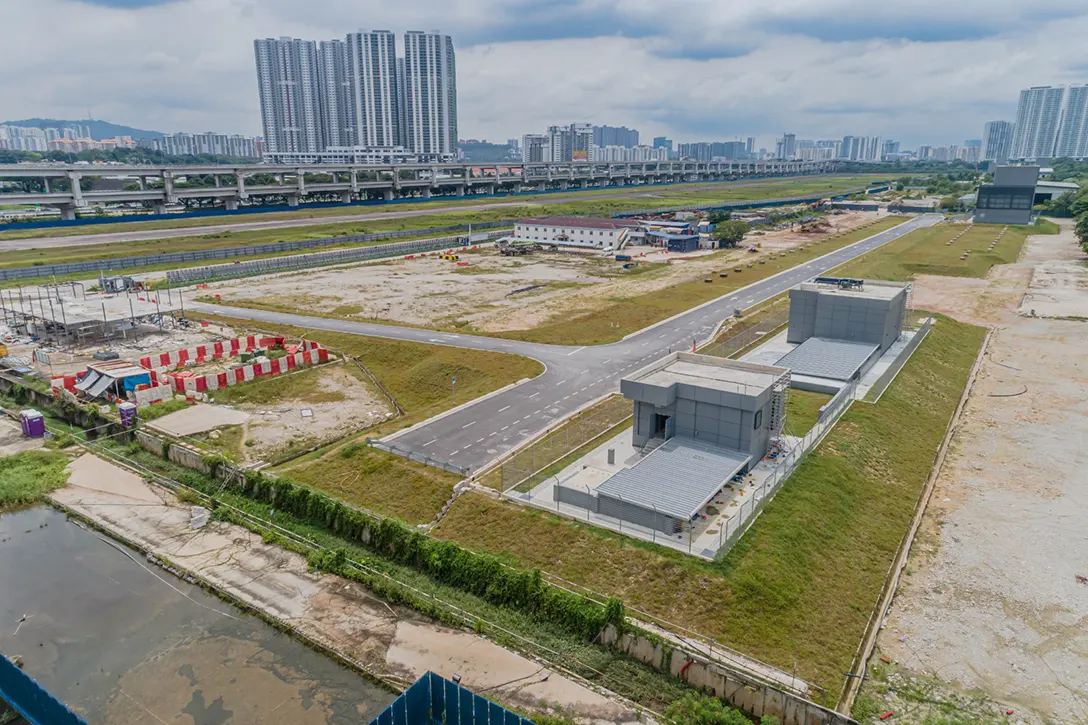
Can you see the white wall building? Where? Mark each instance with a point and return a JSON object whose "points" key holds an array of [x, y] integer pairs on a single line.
{"points": [[571, 231], [430, 93], [996, 141], [289, 89], [1038, 117], [1073, 134], [18, 138], [372, 80]]}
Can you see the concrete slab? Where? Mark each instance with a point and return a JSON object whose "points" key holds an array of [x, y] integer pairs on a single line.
{"points": [[198, 419], [13, 441], [93, 476]]}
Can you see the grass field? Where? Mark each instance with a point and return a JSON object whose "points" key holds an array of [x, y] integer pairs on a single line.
{"points": [[300, 386], [612, 323], [419, 376], [802, 410], [26, 477], [798, 589], [926, 251], [646, 196]]}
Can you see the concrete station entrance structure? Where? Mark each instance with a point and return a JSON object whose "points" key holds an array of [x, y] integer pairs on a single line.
{"points": [[698, 422]]}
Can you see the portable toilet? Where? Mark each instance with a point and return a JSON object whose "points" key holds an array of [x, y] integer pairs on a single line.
{"points": [[128, 414], [33, 423]]}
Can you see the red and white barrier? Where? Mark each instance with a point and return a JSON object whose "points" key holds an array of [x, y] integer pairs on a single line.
{"points": [[215, 351], [187, 382]]}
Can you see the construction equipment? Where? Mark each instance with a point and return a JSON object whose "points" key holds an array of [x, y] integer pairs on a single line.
{"points": [[450, 257]]}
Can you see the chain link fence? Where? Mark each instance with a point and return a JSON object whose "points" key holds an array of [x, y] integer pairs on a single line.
{"points": [[537, 462], [768, 321]]}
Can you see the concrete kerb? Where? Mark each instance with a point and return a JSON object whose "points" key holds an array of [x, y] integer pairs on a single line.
{"points": [[855, 679], [761, 281]]}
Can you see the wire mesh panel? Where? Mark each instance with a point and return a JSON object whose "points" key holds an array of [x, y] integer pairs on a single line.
{"points": [[778, 315], [539, 461]]}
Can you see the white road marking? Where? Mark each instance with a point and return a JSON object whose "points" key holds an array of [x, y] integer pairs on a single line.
{"points": [[536, 412], [561, 382], [566, 398], [502, 409], [480, 441], [503, 428], [534, 395], [429, 442], [467, 425], [607, 361], [490, 434], [574, 351], [644, 345], [455, 453]]}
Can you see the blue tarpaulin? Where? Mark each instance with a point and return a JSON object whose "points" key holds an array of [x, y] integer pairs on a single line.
{"points": [[433, 700]]}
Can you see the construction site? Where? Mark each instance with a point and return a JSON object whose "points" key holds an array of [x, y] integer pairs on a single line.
{"points": [[504, 289]]}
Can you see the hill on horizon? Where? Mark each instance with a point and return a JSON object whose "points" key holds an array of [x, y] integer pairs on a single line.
{"points": [[99, 129]]}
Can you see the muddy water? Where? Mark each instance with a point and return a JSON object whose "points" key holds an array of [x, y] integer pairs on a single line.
{"points": [[122, 641]]}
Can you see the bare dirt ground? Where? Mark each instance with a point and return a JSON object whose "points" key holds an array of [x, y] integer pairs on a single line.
{"points": [[996, 601], [341, 403], [495, 293], [339, 614]]}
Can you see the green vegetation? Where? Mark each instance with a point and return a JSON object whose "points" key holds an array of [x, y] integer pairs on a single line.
{"points": [[803, 409], [432, 577], [227, 442], [158, 410], [798, 589], [377, 481], [302, 386], [696, 709], [730, 233], [926, 251], [27, 477], [602, 325]]}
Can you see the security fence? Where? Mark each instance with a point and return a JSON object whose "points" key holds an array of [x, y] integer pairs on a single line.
{"points": [[534, 464], [877, 389], [194, 275], [417, 457], [250, 250], [770, 320]]}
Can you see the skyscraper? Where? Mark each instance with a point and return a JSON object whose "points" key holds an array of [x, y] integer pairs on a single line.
{"points": [[287, 81], [355, 95], [372, 69], [1073, 136], [1038, 117], [996, 141], [430, 93], [335, 94], [615, 136]]}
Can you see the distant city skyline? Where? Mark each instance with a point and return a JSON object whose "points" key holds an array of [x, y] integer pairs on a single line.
{"points": [[882, 69]]}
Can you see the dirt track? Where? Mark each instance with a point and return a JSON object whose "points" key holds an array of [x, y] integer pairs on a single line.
{"points": [[997, 597]]}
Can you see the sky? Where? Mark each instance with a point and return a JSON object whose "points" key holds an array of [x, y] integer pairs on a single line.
{"points": [[921, 71]]}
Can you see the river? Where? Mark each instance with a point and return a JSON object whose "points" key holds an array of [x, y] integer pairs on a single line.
{"points": [[124, 642]]}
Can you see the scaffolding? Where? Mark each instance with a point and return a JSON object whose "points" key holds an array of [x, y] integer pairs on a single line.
{"points": [[59, 315]]}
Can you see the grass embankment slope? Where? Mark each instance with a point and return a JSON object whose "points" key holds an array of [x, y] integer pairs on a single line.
{"points": [[642, 197], [926, 251], [26, 478], [798, 589], [626, 315], [420, 377]]}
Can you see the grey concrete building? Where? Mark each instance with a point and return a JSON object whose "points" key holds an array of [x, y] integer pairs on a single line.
{"points": [[842, 326], [703, 420], [717, 401], [1009, 199]]}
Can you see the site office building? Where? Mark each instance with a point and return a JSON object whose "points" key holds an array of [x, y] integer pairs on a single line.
{"points": [[573, 232]]}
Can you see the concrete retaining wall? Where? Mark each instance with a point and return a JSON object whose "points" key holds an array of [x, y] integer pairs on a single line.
{"points": [[748, 693]]}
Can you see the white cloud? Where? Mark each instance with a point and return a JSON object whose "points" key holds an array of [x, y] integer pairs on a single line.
{"points": [[927, 72]]}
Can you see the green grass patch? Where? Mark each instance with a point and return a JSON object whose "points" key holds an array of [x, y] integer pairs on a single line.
{"points": [[227, 443], [26, 478], [303, 387], [158, 410], [803, 409], [610, 323], [798, 589], [926, 251], [378, 481]]}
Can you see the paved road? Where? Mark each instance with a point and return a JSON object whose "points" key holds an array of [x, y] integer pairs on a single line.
{"points": [[146, 234], [478, 433]]}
